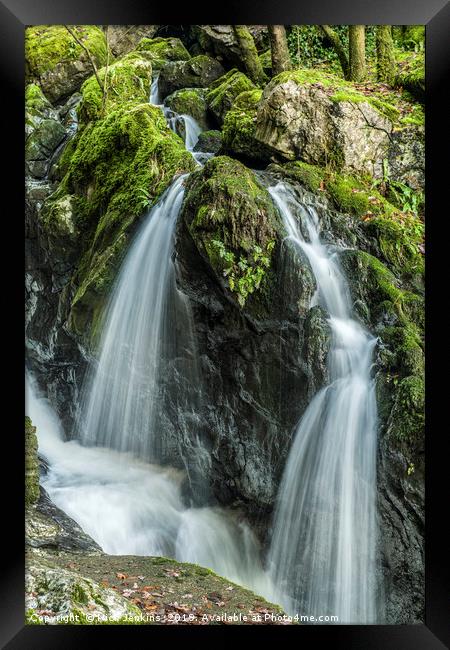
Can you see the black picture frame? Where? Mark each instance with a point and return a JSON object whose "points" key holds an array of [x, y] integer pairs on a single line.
{"points": [[15, 15]]}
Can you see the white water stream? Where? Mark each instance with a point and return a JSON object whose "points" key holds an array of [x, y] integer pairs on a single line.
{"points": [[111, 484], [322, 555]]}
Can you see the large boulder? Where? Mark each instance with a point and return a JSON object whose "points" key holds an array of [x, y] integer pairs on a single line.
{"points": [[240, 282], [198, 72], [225, 90], [220, 41], [160, 50], [239, 129], [190, 101], [58, 62], [307, 121], [127, 80], [124, 38]]}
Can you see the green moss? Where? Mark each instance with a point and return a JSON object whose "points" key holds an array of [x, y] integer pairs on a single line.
{"points": [[189, 101], [400, 239], [310, 176], [128, 80], [408, 413], [118, 168], [31, 464], [225, 90], [388, 103], [239, 126], [164, 49], [266, 62], [35, 99], [233, 223], [48, 45]]}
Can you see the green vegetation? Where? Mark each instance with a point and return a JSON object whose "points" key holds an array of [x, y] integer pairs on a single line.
{"points": [[163, 49], [222, 92], [233, 223], [244, 275], [127, 80], [48, 45], [239, 126]]}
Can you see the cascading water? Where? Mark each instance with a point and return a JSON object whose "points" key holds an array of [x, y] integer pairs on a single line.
{"points": [[107, 485], [131, 507], [146, 318], [322, 554]]}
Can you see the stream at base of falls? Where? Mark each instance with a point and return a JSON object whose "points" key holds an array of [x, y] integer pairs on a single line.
{"points": [[321, 558]]}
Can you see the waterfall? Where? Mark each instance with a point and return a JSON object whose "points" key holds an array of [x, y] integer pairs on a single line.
{"points": [[109, 481], [184, 125], [146, 320], [131, 507], [322, 553]]}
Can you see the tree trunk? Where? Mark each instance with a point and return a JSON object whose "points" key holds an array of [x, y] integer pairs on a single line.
{"points": [[339, 48], [281, 59], [386, 69], [250, 57], [357, 52]]}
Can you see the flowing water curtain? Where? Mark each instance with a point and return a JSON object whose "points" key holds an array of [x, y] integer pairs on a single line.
{"points": [[146, 323], [323, 551]]}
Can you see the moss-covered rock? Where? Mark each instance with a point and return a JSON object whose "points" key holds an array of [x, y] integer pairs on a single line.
{"points": [[57, 61], [67, 597], [225, 90], [233, 223], [239, 128], [396, 315], [398, 236], [198, 72], [31, 464], [40, 145], [161, 50], [209, 142], [190, 101], [117, 167], [127, 80]]}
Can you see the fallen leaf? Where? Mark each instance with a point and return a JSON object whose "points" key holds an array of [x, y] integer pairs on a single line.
{"points": [[121, 576]]}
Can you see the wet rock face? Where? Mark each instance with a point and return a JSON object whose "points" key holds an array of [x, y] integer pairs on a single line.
{"points": [[254, 361], [198, 72]]}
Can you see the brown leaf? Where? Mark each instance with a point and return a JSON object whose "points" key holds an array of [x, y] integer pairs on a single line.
{"points": [[121, 576]]}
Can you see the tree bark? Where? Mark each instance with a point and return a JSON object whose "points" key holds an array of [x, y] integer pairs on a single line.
{"points": [[386, 68], [281, 59], [357, 52], [339, 48], [250, 57]]}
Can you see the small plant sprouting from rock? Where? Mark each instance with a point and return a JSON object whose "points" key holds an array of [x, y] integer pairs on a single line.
{"points": [[244, 275]]}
